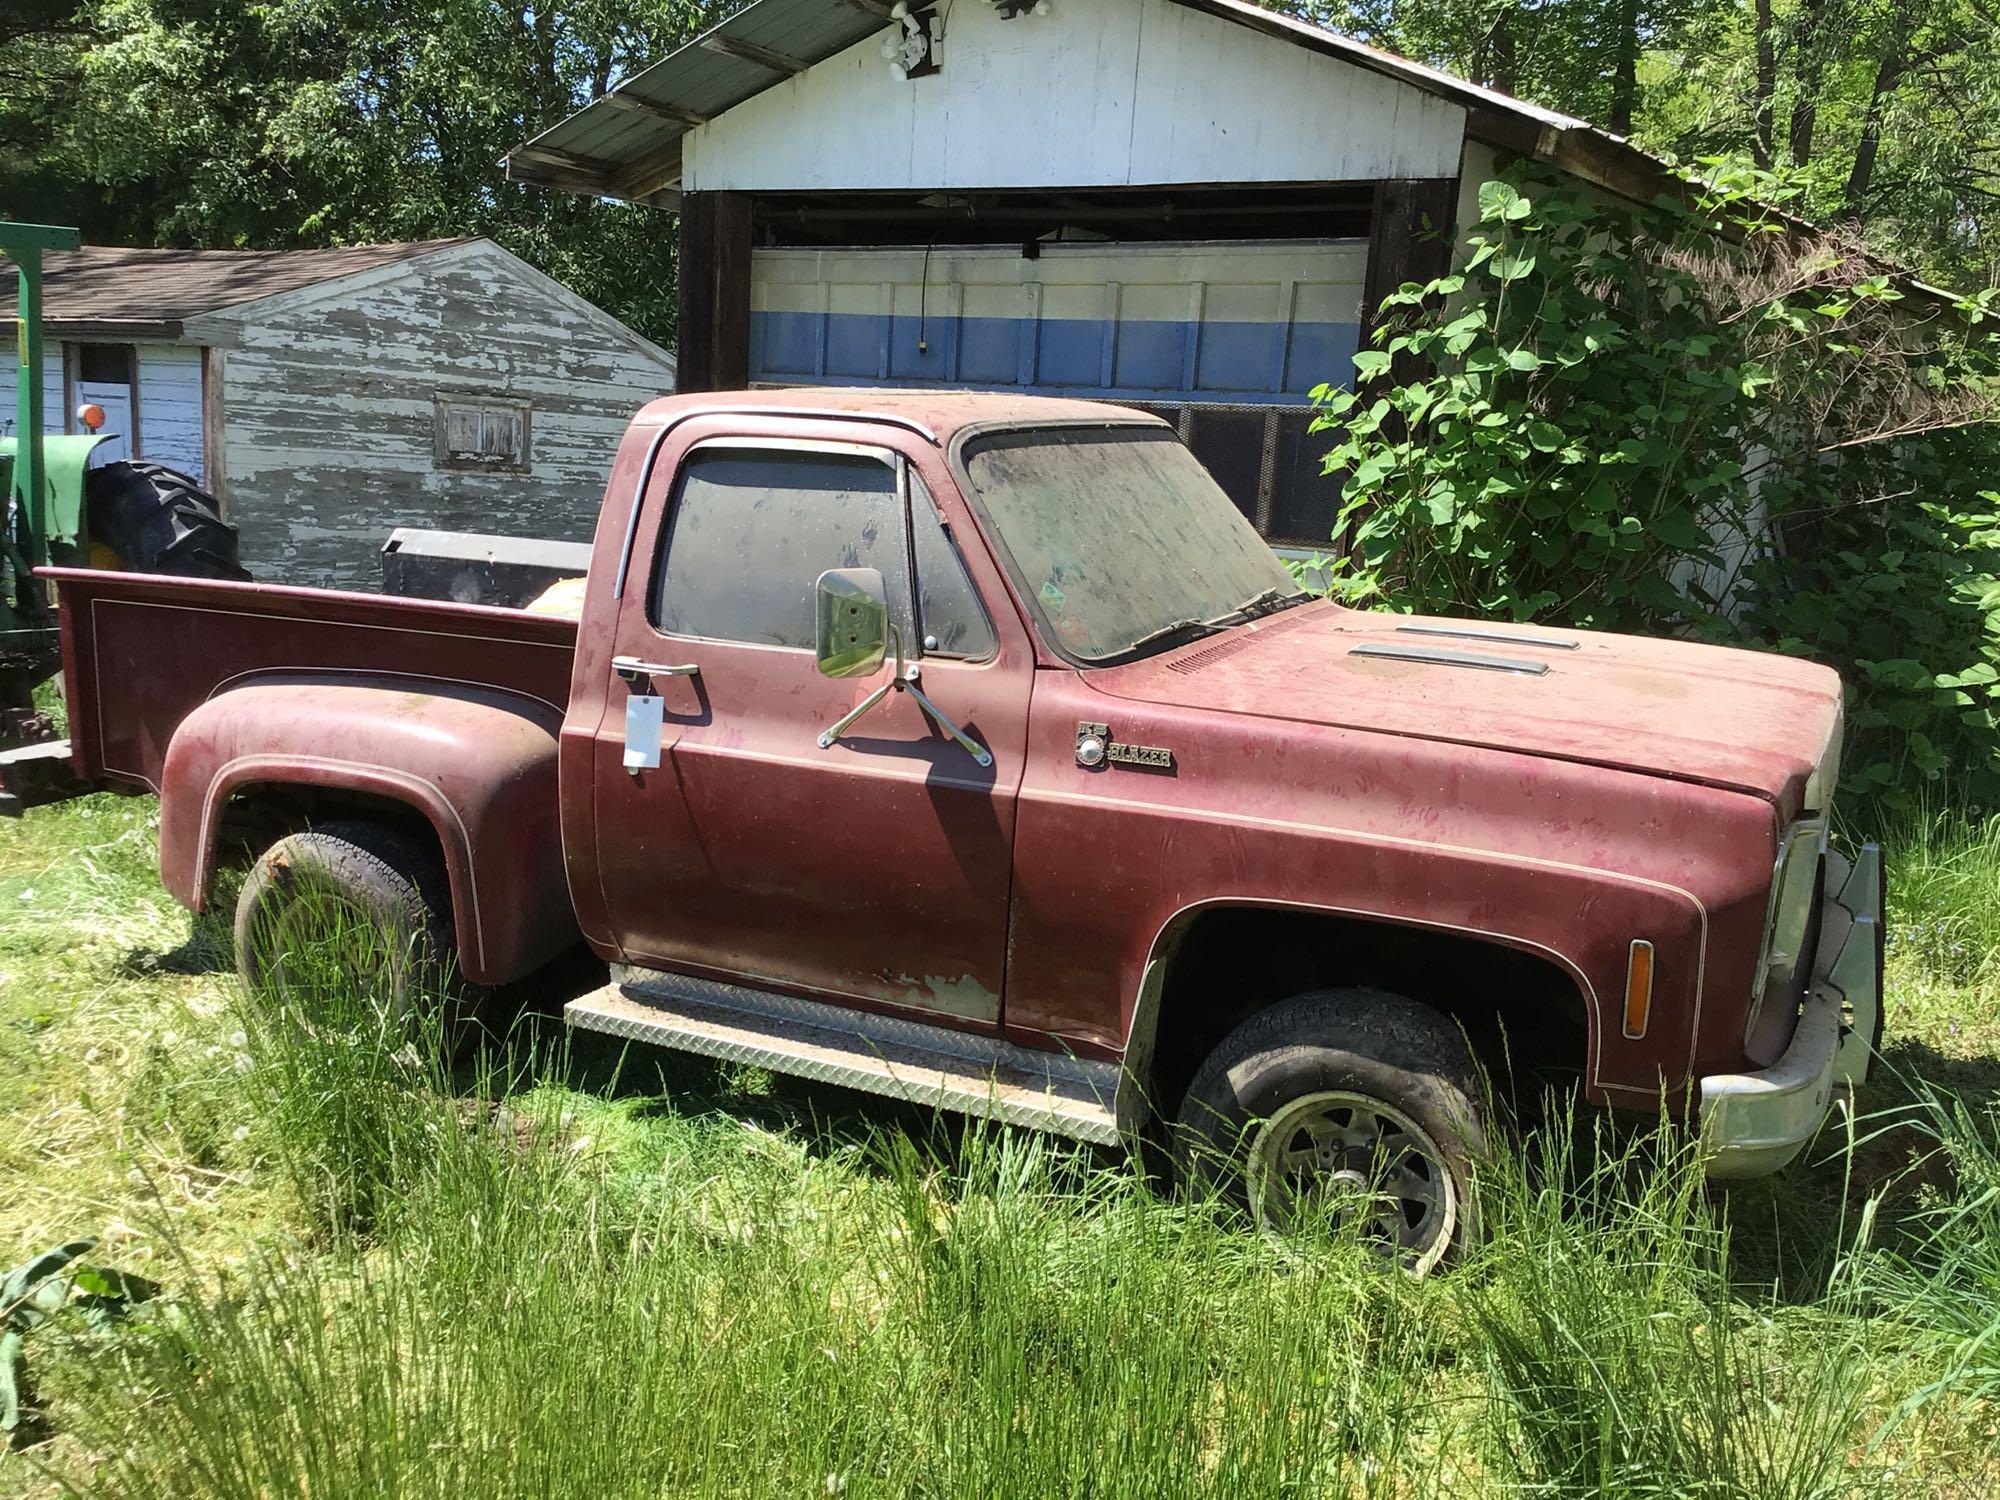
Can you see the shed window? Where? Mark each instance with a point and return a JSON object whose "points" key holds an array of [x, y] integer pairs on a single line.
{"points": [[482, 434], [104, 364]]}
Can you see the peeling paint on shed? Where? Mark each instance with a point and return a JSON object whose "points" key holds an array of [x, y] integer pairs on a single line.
{"points": [[331, 399]]}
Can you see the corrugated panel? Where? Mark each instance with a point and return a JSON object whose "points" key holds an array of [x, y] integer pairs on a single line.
{"points": [[1244, 324], [701, 80], [596, 148]]}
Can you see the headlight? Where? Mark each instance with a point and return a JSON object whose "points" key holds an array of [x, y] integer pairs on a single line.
{"points": [[1826, 775], [1788, 915]]}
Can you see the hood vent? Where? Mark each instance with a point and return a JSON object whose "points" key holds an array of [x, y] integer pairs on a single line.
{"points": [[1482, 633], [1242, 639], [1442, 656]]}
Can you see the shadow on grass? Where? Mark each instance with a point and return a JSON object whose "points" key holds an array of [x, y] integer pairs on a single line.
{"points": [[533, 1046]]}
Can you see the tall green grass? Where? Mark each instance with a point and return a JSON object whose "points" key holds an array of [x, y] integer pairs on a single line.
{"points": [[1944, 893], [502, 1278]]}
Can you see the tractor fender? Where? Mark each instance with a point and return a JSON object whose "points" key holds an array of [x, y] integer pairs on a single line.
{"points": [[477, 763]]}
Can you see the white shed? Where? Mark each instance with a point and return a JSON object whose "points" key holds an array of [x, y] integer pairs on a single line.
{"points": [[325, 397]]}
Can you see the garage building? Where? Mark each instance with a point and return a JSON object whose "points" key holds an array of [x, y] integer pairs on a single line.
{"points": [[1185, 205]]}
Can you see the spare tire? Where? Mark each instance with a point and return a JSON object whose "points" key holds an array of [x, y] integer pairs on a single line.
{"points": [[152, 519]]}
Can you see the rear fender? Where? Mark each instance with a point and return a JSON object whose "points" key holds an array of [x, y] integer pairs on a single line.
{"points": [[477, 763]]}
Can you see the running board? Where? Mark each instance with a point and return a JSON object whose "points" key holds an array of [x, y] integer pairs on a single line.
{"points": [[904, 1059]]}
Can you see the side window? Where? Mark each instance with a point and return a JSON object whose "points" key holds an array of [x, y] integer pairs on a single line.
{"points": [[948, 608], [751, 530]]}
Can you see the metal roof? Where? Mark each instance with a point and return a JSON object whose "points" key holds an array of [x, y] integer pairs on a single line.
{"points": [[109, 289], [628, 143]]}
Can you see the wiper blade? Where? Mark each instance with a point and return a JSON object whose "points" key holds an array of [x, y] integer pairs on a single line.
{"points": [[1178, 627], [1271, 600]]}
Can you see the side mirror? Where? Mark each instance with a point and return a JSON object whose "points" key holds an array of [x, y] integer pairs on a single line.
{"points": [[851, 619]]}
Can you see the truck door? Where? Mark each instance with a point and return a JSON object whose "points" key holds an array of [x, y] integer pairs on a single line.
{"points": [[878, 869]]}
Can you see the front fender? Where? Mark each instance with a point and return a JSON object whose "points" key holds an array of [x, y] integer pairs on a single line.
{"points": [[478, 763]]}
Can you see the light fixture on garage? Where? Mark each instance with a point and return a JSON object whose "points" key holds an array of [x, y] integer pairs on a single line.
{"points": [[914, 47]]}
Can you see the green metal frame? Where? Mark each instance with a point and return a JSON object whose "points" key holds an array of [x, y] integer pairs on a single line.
{"points": [[44, 510]]}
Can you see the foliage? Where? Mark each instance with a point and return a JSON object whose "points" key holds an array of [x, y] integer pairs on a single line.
{"points": [[33, 1293], [1885, 112], [332, 122], [1694, 417]]}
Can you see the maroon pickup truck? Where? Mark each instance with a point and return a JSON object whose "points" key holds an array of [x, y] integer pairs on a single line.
{"points": [[973, 749]]}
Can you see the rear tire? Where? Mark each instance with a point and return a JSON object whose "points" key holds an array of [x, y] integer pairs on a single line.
{"points": [[147, 518], [344, 912], [1354, 1091]]}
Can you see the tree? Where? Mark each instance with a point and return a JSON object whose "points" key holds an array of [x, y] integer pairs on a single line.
{"points": [[1887, 111], [318, 122]]}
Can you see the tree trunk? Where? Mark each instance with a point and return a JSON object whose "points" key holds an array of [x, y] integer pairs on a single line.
{"points": [[1496, 65], [1625, 75], [1888, 74], [1810, 67], [1767, 86]]}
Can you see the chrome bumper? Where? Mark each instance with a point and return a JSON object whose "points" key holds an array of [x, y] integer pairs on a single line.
{"points": [[1754, 1123]]}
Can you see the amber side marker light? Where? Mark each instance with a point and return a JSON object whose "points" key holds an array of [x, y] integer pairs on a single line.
{"points": [[1638, 988]]}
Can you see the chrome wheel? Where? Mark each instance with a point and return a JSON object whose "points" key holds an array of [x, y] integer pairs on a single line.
{"points": [[1368, 1162]]}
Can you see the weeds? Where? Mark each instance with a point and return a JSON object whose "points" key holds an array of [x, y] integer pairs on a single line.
{"points": [[501, 1276]]}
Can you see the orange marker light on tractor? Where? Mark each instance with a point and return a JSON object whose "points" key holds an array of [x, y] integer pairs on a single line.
{"points": [[90, 416], [1638, 988]]}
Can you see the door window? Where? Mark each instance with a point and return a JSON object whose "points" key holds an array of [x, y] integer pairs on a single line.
{"points": [[752, 529]]}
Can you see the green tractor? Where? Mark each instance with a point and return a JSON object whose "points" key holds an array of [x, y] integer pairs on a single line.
{"points": [[61, 509]]}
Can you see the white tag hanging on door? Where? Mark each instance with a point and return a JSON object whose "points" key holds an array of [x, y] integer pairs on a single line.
{"points": [[644, 715]]}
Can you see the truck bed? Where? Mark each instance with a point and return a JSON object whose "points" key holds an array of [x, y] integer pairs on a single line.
{"points": [[141, 651]]}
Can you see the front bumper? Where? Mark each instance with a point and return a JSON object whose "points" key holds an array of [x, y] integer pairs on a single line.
{"points": [[1754, 1123]]}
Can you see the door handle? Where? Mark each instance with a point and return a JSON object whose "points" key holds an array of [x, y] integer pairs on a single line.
{"points": [[634, 670]]}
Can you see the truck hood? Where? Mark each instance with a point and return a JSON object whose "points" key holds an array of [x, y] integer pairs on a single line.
{"points": [[1747, 720]]}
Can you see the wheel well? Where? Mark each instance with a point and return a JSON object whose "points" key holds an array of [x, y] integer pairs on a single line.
{"points": [[258, 815], [1522, 1013]]}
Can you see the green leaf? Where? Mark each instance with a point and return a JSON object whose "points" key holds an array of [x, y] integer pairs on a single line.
{"points": [[1512, 267], [1679, 529], [1501, 202], [1370, 363], [31, 1293], [1523, 359]]}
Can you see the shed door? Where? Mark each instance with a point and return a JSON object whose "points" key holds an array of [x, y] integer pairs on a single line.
{"points": [[1225, 340]]}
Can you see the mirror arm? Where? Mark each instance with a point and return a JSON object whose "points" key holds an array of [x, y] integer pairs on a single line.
{"points": [[845, 722], [966, 742], [904, 679]]}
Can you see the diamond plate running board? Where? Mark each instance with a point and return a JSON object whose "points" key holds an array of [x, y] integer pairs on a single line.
{"points": [[925, 1064]]}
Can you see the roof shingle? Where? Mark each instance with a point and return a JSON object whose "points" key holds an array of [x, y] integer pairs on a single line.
{"points": [[113, 288]]}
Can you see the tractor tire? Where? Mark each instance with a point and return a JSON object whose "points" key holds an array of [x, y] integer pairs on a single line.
{"points": [[146, 518]]}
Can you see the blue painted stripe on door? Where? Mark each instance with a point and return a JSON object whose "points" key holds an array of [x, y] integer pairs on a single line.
{"points": [[1233, 361]]}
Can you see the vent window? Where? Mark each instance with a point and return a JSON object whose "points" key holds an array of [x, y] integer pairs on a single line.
{"points": [[491, 435]]}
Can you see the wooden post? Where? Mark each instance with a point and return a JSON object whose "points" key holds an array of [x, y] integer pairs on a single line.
{"points": [[713, 338], [1410, 240]]}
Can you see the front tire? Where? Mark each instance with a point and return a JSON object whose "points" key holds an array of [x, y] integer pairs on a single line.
{"points": [[346, 914], [1355, 1092]]}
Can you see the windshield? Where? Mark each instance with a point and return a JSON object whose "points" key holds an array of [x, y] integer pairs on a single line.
{"points": [[1121, 537]]}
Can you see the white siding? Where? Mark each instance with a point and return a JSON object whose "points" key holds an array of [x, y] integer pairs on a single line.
{"points": [[52, 390], [330, 402], [170, 406], [1098, 93]]}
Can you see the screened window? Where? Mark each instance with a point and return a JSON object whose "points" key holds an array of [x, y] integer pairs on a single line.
{"points": [[948, 609], [475, 434], [752, 530]]}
